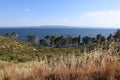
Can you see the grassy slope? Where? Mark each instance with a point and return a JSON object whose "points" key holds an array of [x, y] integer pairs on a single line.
{"points": [[96, 65], [90, 66], [20, 51], [11, 49]]}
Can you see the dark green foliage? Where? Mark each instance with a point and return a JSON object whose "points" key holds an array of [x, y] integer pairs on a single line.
{"points": [[103, 39], [33, 39], [43, 42], [59, 41], [48, 37], [14, 35], [100, 38], [79, 39], [117, 35], [69, 41], [52, 41], [110, 38], [86, 40], [7, 35]]}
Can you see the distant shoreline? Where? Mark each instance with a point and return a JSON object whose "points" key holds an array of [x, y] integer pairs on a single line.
{"points": [[58, 27]]}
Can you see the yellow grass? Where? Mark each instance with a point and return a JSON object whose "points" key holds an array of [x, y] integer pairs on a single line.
{"points": [[95, 65]]}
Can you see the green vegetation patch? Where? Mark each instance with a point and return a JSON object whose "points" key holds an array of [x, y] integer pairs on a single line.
{"points": [[20, 51]]}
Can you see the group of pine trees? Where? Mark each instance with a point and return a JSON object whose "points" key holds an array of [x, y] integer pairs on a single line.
{"points": [[61, 41], [13, 35]]}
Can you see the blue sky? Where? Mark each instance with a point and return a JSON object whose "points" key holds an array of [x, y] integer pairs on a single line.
{"points": [[79, 13]]}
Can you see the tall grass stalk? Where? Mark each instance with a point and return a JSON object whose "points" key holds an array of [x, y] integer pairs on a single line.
{"points": [[96, 65]]}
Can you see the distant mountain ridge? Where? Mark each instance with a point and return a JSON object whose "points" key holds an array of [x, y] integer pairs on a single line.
{"points": [[58, 26]]}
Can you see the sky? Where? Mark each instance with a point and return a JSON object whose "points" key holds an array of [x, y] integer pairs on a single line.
{"points": [[78, 13]]}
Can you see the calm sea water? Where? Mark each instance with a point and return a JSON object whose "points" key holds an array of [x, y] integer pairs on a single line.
{"points": [[42, 32]]}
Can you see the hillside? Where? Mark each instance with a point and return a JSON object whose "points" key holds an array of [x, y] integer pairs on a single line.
{"points": [[86, 62], [12, 49], [20, 51]]}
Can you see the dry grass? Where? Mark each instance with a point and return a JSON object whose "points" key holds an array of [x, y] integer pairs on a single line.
{"points": [[96, 65]]}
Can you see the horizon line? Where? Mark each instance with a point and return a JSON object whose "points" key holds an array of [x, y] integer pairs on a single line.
{"points": [[61, 26]]}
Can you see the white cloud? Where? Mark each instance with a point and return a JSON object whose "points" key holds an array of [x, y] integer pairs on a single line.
{"points": [[101, 18], [27, 10], [104, 13]]}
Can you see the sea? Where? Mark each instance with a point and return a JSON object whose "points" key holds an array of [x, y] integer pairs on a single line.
{"points": [[42, 32]]}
